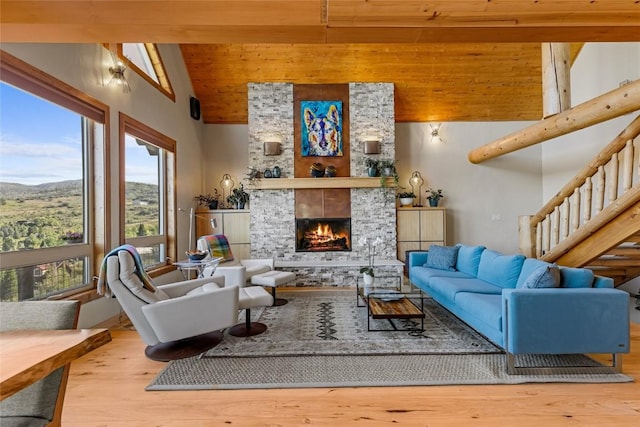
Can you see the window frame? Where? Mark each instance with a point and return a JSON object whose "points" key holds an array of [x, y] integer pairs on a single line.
{"points": [[156, 60], [137, 129], [28, 78]]}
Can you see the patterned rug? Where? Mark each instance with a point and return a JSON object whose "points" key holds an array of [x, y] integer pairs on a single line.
{"points": [[330, 323], [320, 340]]}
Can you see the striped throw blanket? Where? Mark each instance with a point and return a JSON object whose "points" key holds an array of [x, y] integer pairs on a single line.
{"points": [[218, 246]]}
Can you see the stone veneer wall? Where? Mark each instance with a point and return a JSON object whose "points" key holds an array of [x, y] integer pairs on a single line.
{"points": [[373, 213]]}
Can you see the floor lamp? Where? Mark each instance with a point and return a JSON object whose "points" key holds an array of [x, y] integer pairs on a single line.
{"points": [[192, 216]]}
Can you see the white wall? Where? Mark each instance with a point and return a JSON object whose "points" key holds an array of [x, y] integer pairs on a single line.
{"points": [[85, 67], [483, 201]]}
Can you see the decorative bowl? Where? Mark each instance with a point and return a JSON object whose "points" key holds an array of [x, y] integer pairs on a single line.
{"points": [[196, 255]]}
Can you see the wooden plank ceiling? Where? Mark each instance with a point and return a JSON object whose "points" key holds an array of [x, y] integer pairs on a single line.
{"points": [[450, 60]]}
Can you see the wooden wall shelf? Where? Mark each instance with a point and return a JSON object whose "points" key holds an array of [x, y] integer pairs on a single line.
{"points": [[336, 182]]}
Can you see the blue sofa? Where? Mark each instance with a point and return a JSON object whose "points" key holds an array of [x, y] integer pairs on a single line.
{"points": [[525, 305]]}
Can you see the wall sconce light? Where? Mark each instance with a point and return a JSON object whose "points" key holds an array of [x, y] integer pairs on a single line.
{"points": [[226, 183], [371, 145], [435, 133], [416, 181], [117, 74], [272, 147]]}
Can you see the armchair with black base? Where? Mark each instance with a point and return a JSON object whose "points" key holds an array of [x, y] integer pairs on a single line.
{"points": [[177, 320]]}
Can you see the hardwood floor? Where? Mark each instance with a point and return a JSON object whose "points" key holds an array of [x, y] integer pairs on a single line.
{"points": [[106, 388]]}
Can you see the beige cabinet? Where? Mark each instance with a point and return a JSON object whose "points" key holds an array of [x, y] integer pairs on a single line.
{"points": [[419, 228], [233, 223]]}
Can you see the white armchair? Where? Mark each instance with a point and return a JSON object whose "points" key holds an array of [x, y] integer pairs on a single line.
{"points": [[236, 272], [178, 320]]}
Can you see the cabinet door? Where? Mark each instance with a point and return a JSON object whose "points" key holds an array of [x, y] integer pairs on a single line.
{"points": [[408, 224], [236, 227], [241, 251], [432, 225], [403, 247]]}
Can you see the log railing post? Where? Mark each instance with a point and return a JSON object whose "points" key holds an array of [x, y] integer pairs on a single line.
{"points": [[527, 236], [627, 166]]}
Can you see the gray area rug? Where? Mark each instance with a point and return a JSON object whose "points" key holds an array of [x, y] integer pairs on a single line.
{"points": [[330, 323], [335, 350], [361, 371]]}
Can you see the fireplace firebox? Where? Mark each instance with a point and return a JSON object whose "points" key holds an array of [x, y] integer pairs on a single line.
{"points": [[323, 234]]}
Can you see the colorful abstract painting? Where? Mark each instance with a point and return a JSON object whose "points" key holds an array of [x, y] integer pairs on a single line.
{"points": [[321, 128]]}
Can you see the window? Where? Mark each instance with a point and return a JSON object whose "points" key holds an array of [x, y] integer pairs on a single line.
{"points": [[51, 140], [147, 195], [144, 59]]}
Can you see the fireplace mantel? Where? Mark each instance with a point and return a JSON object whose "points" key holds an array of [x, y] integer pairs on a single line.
{"points": [[335, 182]]}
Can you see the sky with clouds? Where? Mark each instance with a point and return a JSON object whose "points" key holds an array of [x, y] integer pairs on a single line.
{"points": [[41, 142]]}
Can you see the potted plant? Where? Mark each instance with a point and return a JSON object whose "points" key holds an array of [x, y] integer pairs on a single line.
{"points": [[406, 198], [387, 169], [434, 196], [367, 272], [209, 200], [238, 197], [372, 166]]}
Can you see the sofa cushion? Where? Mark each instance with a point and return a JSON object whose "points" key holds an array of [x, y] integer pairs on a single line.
{"points": [[499, 269], [442, 257], [484, 307], [469, 259], [448, 287], [529, 266], [421, 275], [545, 276], [575, 277]]}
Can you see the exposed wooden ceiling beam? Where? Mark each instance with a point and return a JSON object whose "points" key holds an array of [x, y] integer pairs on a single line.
{"points": [[318, 21]]}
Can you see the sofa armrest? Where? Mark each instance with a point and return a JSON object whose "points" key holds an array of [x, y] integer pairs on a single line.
{"points": [[192, 315], [416, 258], [565, 321], [179, 289]]}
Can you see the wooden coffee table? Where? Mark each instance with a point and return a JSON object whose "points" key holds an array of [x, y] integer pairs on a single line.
{"points": [[390, 304]]}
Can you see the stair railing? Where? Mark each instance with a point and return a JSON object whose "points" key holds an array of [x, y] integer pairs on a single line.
{"points": [[609, 184]]}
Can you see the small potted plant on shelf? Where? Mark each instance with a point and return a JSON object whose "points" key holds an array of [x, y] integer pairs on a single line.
{"points": [[238, 197], [406, 198], [387, 169], [372, 166], [434, 196], [209, 200]]}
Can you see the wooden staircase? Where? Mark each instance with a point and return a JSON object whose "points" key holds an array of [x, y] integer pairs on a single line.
{"points": [[594, 221]]}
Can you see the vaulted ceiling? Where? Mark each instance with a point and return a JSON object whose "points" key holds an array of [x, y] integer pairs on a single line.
{"points": [[475, 60]]}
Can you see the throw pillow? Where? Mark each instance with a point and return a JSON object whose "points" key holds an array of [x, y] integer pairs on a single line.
{"points": [[442, 257], [547, 276]]}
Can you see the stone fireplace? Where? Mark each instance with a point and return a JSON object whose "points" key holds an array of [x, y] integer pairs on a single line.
{"points": [[280, 206]]}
